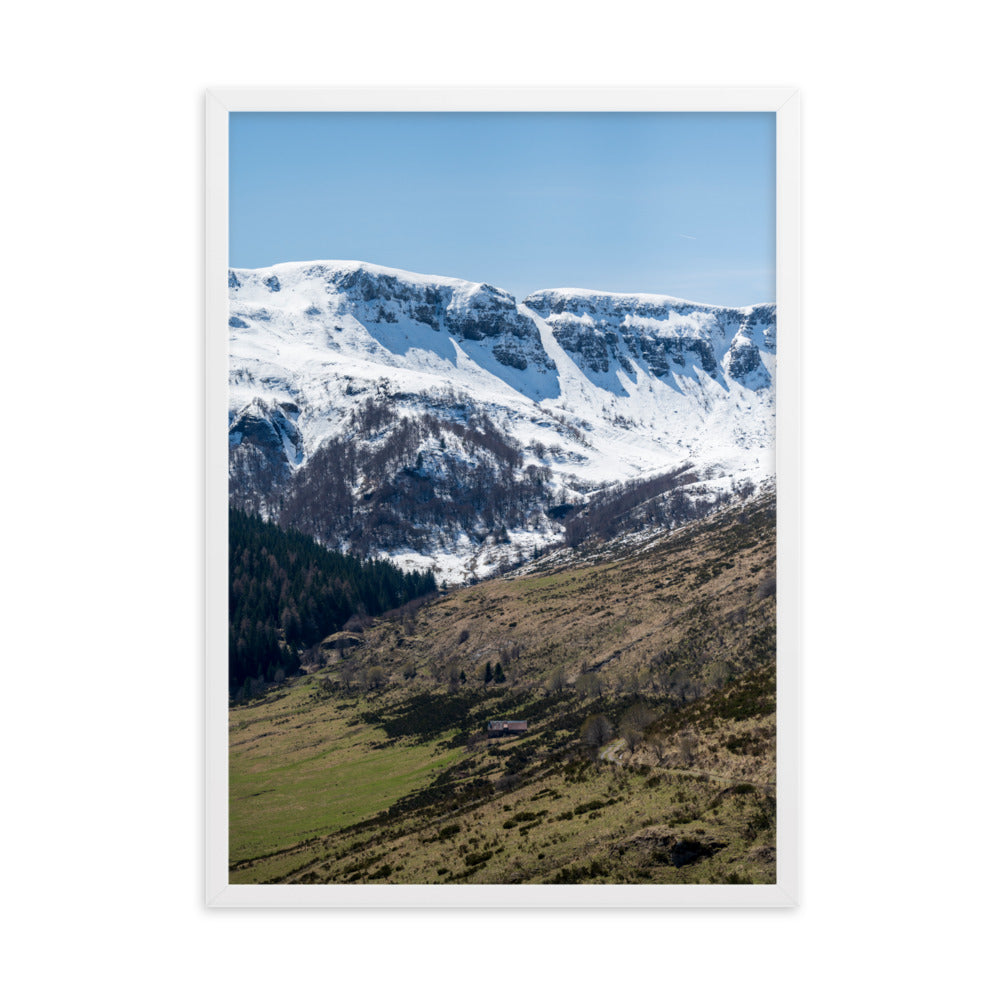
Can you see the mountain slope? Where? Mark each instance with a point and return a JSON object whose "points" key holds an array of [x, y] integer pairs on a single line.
{"points": [[353, 389], [646, 675]]}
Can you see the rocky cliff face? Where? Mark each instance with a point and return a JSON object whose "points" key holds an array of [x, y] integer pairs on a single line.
{"points": [[265, 447], [604, 332]]}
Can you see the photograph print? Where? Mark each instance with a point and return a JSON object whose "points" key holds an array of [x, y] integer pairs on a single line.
{"points": [[502, 498]]}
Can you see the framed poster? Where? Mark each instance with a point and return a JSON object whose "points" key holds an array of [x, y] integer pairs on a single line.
{"points": [[502, 497]]}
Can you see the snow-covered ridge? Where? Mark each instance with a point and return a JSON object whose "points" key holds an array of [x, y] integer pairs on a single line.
{"points": [[572, 299], [298, 270], [593, 388], [466, 310]]}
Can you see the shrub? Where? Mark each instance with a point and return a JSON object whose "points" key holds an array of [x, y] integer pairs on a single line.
{"points": [[579, 873]]}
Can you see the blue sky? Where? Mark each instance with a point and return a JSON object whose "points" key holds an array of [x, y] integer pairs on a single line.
{"points": [[681, 204]]}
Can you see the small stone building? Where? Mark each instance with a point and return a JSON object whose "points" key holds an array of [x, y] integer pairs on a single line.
{"points": [[504, 727]]}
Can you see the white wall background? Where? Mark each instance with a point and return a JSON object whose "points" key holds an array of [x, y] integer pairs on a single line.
{"points": [[102, 731]]}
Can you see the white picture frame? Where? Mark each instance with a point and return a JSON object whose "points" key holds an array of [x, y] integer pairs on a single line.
{"points": [[785, 103]]}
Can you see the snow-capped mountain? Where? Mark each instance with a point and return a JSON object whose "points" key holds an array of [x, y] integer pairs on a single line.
{"points": [[445, 424]]}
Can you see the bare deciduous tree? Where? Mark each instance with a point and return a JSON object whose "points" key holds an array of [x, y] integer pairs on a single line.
{"points": [[596, 731], [688, 745], [556, 681], [634, 721], [348, 673], [588, 685]]}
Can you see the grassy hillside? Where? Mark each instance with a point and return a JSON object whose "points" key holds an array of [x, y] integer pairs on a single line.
{"points": [[645, 672]]}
